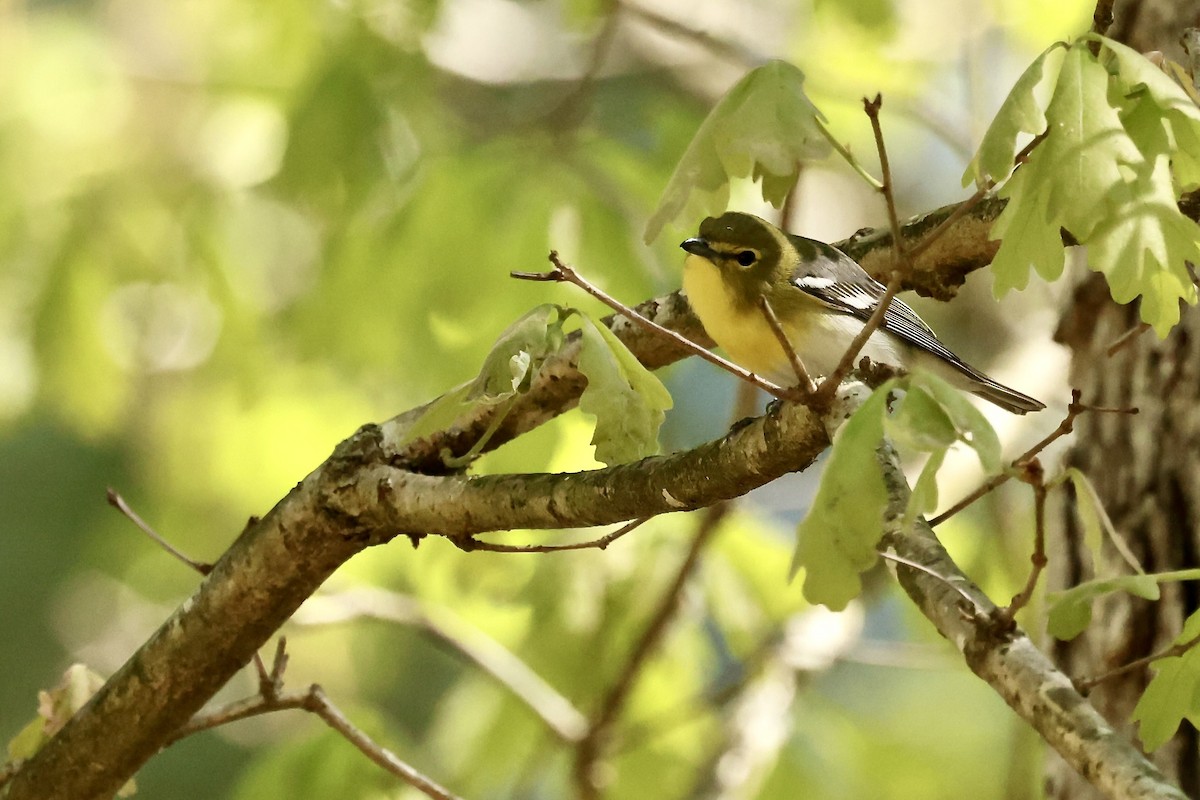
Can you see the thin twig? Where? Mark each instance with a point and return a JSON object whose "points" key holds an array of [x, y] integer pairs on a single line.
{"points": [[829, 386], [1088, 684], [1034, 475], [1126, 338], [590, 749], [334, 718], [563, 273], [887, 189], [900, 261], [1074, 409], [315, 701], [802, 380], [118, 502], [599, 544]]}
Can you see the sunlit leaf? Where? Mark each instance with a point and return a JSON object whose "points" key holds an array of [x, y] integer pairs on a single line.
{"points": [[931, 418], [763, 128], [1104, 175], [508, 369], [1173, 694], [628, 401], [836, 541], [1021, 112]]}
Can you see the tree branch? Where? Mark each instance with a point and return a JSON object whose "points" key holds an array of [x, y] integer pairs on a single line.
{"points": [[353, 500], [1005, 657], [358, 498]]}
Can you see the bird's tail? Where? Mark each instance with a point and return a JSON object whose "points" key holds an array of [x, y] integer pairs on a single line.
{"points": [[1009, 399]]}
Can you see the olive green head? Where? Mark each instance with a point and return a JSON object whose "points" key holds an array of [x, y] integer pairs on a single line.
{"points": [[746, 249]]}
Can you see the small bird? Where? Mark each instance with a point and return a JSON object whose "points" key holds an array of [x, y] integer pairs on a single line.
{"points": [[822, 298]]}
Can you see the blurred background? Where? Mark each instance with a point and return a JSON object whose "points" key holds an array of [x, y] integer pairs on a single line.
{"points": [[231, 233]]}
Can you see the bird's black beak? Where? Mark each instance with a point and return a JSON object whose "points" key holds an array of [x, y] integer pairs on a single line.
{"points": [[698, 247]]}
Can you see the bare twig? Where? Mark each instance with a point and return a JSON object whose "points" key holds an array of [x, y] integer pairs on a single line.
{"points": [[590, 748], [272, 698], [964, 208], [802, 380], [116, 501], [1034, 475], [600, 543], [316, 702], [1126, 338], [564, 273], [900, 262], [1074, 409], [1179, 649]]}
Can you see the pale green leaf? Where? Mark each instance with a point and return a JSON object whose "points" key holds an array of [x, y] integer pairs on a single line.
{"points": [[1173, 694], [1071, 610], [1021, 112], [1086, 145], [1028, 238], [836, 541], [1096, 523], [932, 417], [763, 129], [1142, 250], [946, 416], [507, 370], [924, 496], [628, 401]]}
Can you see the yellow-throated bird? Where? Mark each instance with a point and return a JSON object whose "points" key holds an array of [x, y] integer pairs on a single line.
{"points": [[822, 298]]}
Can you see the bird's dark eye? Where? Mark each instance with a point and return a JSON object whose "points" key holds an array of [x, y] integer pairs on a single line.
{"points": [[746, 257]]}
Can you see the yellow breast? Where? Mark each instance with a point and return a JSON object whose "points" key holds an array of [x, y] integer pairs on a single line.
{"points": [[819, 337], [742, 332]]}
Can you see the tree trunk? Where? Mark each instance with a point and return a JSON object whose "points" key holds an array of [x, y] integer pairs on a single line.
{"points": [[1144, 468]]}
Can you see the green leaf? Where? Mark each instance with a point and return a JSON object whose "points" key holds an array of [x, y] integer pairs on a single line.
{"points": [[1104, 173], [1021, 112], [836, 541], [1086, 145], [1071, 611], [1096, 523], [763, 128], [1173, 694], [1028, 236], [1143, 250], [932, 417], [628, 401], [508, 369]]}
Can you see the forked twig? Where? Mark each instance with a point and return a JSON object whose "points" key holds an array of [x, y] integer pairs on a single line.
{"points": [[829, 386], [315, 701], [1074, 409]]}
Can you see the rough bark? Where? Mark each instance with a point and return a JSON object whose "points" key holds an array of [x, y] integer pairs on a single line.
{"points": [[1144, 468]]}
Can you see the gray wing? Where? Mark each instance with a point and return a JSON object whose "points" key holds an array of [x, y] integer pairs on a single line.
{"points": [[837, 281]]}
